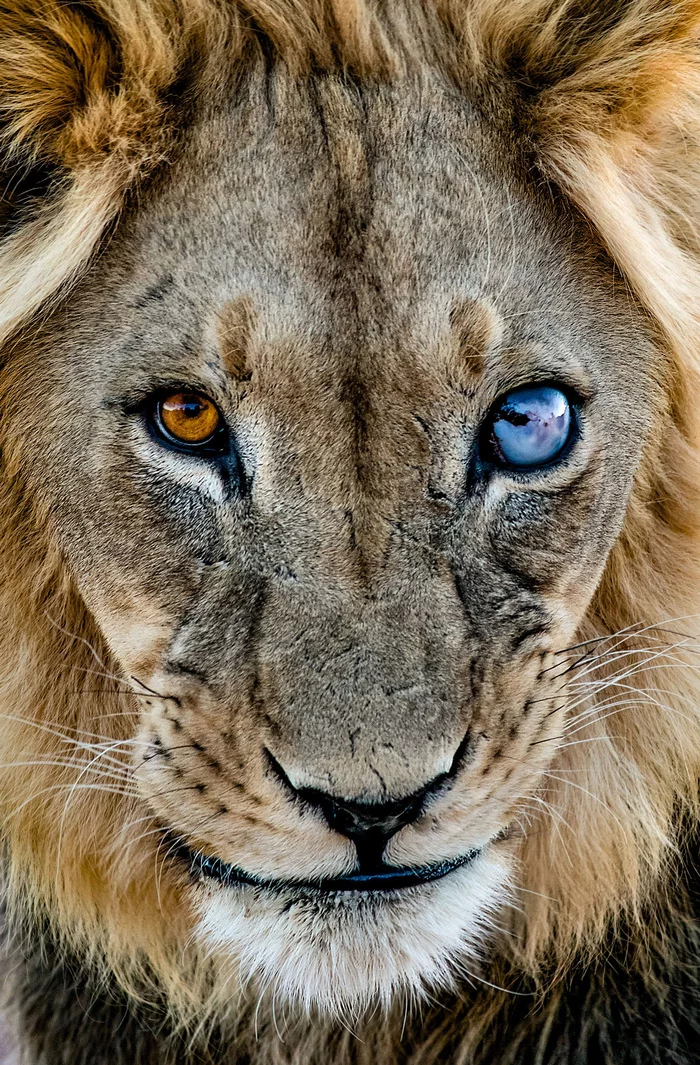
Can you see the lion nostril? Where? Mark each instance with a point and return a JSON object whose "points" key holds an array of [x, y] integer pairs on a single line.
{"points": [[370, 825]]}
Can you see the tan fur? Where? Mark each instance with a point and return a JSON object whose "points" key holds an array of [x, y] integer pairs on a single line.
{"points": [[611, 115]]}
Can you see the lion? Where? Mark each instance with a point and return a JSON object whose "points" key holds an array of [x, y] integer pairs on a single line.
{"points": [[350, 536]]}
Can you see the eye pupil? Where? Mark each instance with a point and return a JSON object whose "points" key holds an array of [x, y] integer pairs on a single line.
{"points": [[188, 417], [530, 426], [192, 408]]}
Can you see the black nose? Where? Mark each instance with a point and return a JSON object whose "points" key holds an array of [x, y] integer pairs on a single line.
{"points": [[370, 825]]}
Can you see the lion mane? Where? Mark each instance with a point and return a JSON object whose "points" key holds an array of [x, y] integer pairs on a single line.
{"points": [[95, 98]]}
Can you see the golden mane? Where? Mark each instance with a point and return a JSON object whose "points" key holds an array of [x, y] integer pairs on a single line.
{"points": [[608, 98]]}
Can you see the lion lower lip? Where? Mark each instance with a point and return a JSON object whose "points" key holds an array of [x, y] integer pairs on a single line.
{"points": [[386, 878]]}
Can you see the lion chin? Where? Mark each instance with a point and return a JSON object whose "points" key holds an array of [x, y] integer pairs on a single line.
{"points": [[345, 953]]}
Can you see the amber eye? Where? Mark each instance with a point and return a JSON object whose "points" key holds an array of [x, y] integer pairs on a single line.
{"points": [[188, 418]]}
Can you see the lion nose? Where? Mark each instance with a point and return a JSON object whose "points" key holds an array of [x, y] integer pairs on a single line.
{"points": [[370, 825]]}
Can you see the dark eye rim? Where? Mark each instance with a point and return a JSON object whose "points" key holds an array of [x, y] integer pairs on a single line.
{"points": [[486, 458], [216, 445]]}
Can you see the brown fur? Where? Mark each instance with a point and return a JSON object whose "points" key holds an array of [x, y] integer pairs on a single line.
{"points": [[97, 105]]}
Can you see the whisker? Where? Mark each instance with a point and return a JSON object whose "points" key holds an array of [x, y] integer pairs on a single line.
{"points": [[76, 785], [589, 739], [619, 709], [35, 763], [613, 656], [635, 629], [620, 637], [78, 638], [67, 739], [149, 691], [652, 653], [614, 679], [138, 839], [82, 787], [640, 698], [115, 679], [579, 787]]}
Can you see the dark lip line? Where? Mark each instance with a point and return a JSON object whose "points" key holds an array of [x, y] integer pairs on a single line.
{"points": [[386, 878]]}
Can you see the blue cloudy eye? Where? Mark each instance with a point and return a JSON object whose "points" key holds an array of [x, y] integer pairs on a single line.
{"points": [[530, 426]]}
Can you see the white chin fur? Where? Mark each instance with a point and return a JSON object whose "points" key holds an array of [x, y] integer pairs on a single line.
{"points": [[346, 953]]}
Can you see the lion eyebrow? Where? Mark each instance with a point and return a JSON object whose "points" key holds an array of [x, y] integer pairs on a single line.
{"points": [[475, 327], [234, 328]]}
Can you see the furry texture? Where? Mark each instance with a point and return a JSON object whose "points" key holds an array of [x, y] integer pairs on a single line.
{"points": [[94, 99]]}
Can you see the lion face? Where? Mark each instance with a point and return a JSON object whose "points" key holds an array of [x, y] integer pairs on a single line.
{"points": [[346, 616]]}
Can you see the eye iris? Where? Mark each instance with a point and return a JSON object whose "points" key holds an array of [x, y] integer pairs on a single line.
{"points": [[189, 417], [531, 426]]}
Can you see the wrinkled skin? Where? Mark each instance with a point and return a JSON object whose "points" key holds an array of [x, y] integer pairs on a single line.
{"points": [[356, 604]]}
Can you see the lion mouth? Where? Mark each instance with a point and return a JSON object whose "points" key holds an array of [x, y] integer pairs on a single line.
{"points": [[382, 879]]}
